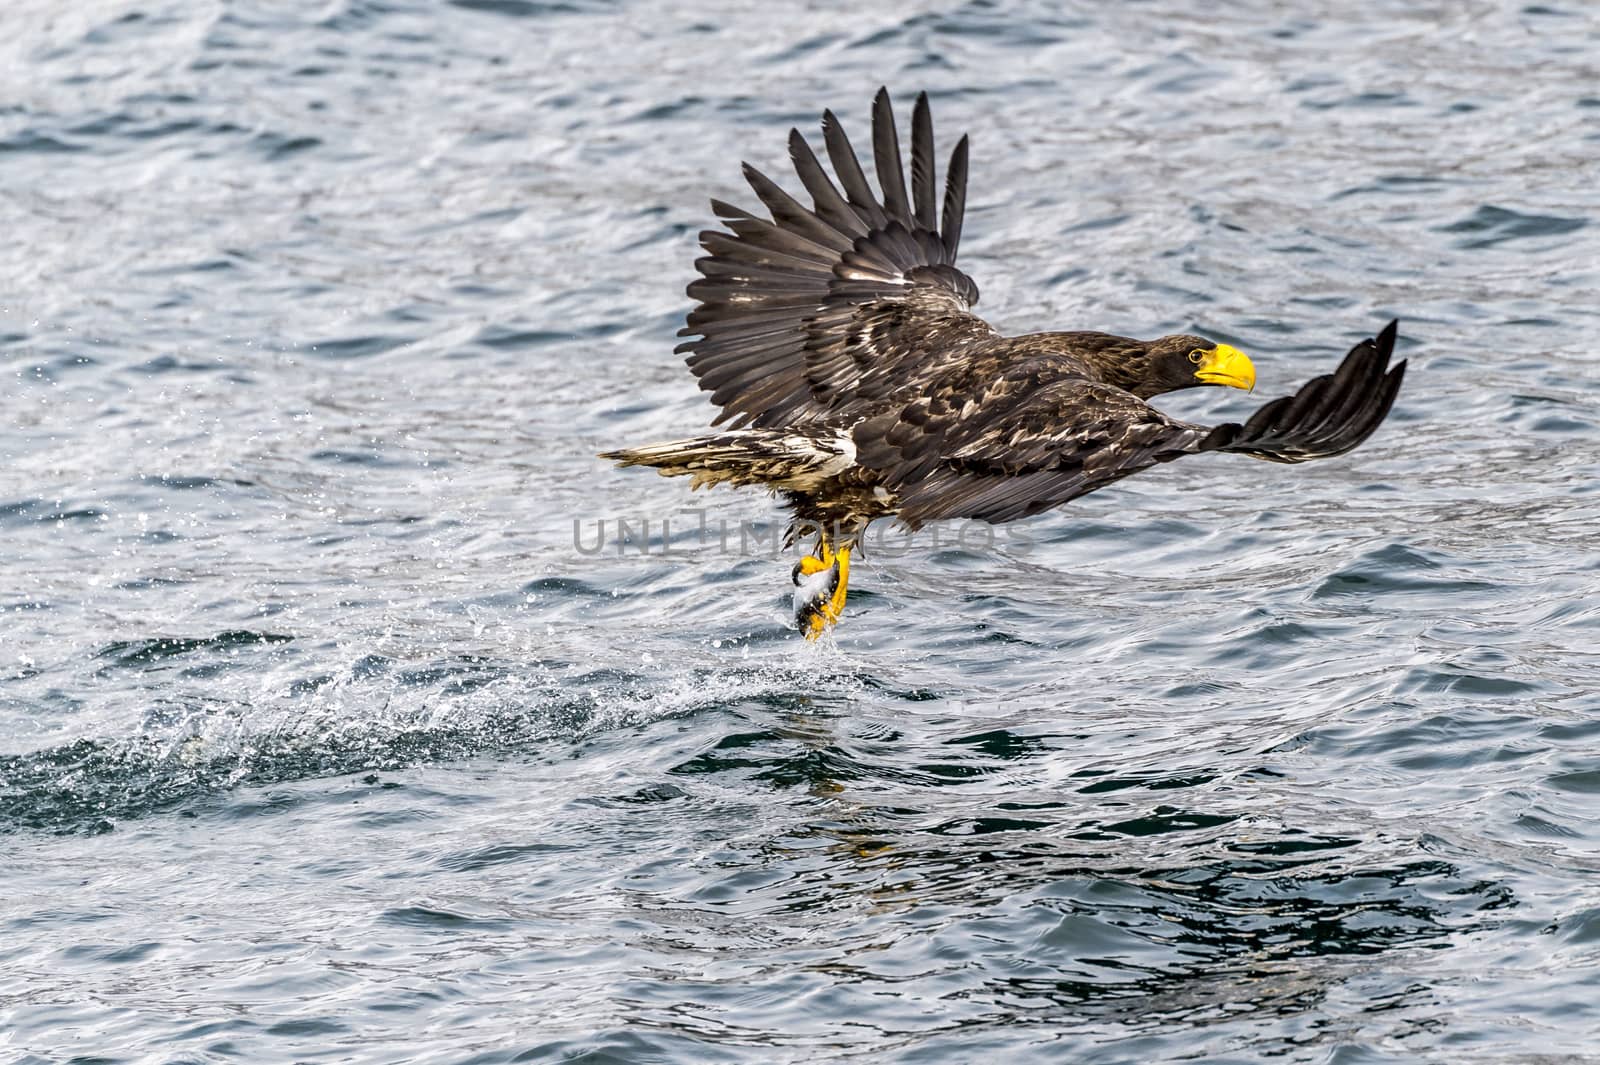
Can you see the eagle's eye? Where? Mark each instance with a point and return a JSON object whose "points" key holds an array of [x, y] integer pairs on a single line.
{"points": [[1196, 355]]}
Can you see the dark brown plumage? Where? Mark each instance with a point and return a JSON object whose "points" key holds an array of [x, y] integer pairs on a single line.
{"points": [[840, 343]]}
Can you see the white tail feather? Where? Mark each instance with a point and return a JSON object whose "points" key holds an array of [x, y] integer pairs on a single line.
{"points": [[787, 459]]}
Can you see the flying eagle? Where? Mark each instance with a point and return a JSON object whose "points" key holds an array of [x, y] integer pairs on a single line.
{"points": [[855, 381]]}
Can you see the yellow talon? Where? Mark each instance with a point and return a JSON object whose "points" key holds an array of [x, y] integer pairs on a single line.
{"points": [[820, 613], [811, 564]]}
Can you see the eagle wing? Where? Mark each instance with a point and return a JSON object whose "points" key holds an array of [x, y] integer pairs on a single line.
{"points": [[1039, 434], [826, 304]]}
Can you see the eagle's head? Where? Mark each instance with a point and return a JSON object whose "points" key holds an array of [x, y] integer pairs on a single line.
{"points": [[1187, 361]]}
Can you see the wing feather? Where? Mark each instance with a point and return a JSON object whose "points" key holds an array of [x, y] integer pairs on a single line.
{"points": [[1011, 440], [824, 304], [786, 210], [955, 198], [924, 190], [830, 205], [848, 169], [886, 159], [1328, 416]]}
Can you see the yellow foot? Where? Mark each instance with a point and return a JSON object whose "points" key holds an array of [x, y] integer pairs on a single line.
{"points": [[809, 565], [820, 588]]}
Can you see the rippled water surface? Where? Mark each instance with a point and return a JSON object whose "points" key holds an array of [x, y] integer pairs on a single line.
{"points": [[323, 739]]}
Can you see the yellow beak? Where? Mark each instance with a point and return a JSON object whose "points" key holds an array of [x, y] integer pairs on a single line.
{"points": [[1227, 365]]}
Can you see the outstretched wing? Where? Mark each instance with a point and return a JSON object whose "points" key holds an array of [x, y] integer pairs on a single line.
{"points": [[819, 305], [1330, 414], [1039, 434]]}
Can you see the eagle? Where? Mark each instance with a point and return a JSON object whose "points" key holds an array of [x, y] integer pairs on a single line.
{"points": [[855, 381]]}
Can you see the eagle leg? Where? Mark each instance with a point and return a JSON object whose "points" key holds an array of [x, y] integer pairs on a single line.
{"points": [[821, 583]]}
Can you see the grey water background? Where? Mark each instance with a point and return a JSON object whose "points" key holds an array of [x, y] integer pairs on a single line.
{"points": [[322, 740]]}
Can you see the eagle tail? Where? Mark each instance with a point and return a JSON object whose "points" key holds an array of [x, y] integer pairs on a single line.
{"points": [[787, 459]]}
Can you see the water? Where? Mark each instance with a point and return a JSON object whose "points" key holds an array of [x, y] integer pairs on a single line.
{"points": [[324, 741]]}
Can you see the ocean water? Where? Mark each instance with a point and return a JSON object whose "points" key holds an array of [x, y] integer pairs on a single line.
{"points": [[339, 723]]}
